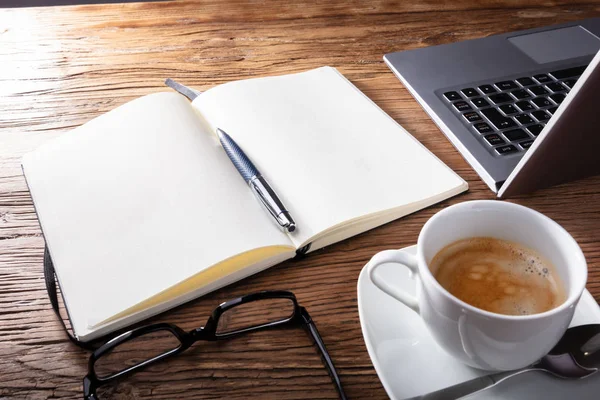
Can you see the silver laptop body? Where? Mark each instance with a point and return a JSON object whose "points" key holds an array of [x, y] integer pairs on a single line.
{"points": [[502, 98]]}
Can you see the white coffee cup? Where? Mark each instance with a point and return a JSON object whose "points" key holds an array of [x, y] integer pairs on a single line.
{"points": [[480, 338]]}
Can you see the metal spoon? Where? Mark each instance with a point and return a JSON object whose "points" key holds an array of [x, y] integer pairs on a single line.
{"points": [[575, 356]]}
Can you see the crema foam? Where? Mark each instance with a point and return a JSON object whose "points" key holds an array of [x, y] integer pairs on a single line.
{"points": [[498, 276]]}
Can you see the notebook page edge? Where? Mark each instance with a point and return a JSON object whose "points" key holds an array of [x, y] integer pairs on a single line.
{"points": [[105, 327], [233, 267], [367, 222]]}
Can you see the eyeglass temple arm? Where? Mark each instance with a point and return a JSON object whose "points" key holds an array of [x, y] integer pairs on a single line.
{"points": [[312, 328], [89, 394]]}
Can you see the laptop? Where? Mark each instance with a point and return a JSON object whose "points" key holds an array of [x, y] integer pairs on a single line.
{"points": [[523, 108]]}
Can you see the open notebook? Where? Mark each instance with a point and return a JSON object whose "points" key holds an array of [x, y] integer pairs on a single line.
{"points": [[142, 210]]}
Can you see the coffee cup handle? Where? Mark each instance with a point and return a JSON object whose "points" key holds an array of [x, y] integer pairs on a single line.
{"points": [[398, 257]]}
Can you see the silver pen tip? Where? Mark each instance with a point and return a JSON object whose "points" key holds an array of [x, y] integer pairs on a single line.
{"points": [[221, 133], [286, 221]]}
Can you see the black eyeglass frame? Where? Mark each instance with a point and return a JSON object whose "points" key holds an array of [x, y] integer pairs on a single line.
{"points": [[299, 316]]}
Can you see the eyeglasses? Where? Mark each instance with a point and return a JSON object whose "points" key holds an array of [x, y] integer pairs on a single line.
{"points": [[267, 309]]}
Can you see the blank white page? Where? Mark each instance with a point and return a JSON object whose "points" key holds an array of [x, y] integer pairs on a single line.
{"points": [[327, 149], [138, 200]]}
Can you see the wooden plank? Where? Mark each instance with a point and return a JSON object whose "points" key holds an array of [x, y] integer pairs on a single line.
{"points": [[62, 66]]}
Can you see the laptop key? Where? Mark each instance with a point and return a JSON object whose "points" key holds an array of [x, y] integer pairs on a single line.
{"points": [[535, 129], [538, 90], [520, 94], [508, 109], [556, 87], [557, 97], [552, 110], [515, 134], [541, 115], [452, 96], [462, 106], [494, 139], [570, 83], [498, 120], [472, 116], [542, 102], [568, 73], [506, 85], [480, 102], [542, 78], [487, 89], [483, 128], [470, 92], [525, 106], [526, 81], [526, 144], [500, 98], [524, 119], [506, 149]]}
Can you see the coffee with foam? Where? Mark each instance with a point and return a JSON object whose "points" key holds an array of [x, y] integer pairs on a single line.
{"points": [[498, 276]]}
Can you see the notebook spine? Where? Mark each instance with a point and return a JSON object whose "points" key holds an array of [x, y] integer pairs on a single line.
{"points": [[301, 252]]}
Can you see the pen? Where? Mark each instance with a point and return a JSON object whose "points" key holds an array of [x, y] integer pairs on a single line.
{"points": [[261, 188]]}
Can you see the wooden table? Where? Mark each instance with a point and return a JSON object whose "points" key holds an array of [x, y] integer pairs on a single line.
{"points": [[62, 66]]}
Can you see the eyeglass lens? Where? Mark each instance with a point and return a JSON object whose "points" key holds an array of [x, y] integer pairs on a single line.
{"points": [[255, 313], [134, 351]]}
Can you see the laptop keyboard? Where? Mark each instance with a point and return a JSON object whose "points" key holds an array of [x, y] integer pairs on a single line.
{"points": [[509, 114]]}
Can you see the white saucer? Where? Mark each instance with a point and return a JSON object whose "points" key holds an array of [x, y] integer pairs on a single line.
{"points": [[409, 363]]}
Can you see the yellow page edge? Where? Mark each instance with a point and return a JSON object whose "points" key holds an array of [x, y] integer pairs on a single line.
{"points": [[200, 279]]}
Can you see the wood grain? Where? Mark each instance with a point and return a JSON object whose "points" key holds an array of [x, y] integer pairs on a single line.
{"points": [[62, 66]]}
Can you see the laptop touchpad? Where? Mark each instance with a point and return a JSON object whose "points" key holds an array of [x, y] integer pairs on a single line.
{"points": [[557, 44]]}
